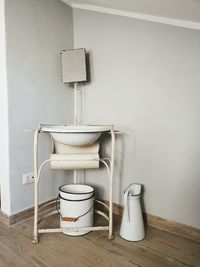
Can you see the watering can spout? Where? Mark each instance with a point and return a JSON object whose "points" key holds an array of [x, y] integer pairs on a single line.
{"points": [[132, 225]]}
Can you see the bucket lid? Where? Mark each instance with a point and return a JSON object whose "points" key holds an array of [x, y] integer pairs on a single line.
{"points": [[76, 189]]}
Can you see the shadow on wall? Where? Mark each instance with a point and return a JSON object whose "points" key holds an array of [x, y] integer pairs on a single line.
{"points": [[88, 64]]}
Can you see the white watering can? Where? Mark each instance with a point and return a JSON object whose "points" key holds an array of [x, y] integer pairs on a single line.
{"points": [[132, 225]]}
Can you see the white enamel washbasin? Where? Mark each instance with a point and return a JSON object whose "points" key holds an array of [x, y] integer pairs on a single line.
{"points": [[75, 134]]}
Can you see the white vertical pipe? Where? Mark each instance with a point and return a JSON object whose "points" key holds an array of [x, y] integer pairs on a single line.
{"points": [[75, 176], [75, 119], [75, 103]]}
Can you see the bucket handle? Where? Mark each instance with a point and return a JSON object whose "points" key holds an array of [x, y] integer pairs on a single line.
{"points": [[71, 219]]}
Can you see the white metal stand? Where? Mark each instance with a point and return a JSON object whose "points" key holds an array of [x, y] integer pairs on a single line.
{"points": [[108, 162]]}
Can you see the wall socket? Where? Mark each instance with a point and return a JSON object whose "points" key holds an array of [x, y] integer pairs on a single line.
{"points": [[28, 178]]}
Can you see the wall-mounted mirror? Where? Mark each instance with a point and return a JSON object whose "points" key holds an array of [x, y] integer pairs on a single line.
{"points": [[74, 65]]}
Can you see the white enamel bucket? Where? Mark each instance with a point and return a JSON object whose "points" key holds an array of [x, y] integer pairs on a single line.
{"points": [[76, 208]]}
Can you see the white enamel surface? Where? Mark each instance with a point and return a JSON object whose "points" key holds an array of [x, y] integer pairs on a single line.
{"points": [[76, 191], [132, 225], [70, 206], [76, 128], [76, 134], [75, 209]]}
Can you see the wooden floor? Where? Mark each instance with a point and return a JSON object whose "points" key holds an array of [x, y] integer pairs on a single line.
{"points": [[158, 249]]}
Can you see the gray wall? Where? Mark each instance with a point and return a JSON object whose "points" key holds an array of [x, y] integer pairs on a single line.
{"points": [[36, 32], [145, 80]]}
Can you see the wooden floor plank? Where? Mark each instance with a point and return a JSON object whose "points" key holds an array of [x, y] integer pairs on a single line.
{"points": [[35, 255], [158, 249], [81, 251], [8, 258], [137, 253], [184, 250], [6, 230]]}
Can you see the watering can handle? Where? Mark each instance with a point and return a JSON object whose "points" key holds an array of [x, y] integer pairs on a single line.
{"points": [[126, 203]]}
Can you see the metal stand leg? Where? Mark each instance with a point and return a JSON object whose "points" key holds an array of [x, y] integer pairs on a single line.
{"points": [[35, 233], [110, 236]]}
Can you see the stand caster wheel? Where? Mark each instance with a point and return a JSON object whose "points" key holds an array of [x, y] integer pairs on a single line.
{"points": [[35, 241]]}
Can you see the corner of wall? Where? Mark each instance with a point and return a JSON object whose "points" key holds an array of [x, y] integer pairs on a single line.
{"points": [[4, 133]]}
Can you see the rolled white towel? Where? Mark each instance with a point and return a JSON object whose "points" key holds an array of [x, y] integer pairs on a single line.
{"points": [[74, 161], [67, 149]]}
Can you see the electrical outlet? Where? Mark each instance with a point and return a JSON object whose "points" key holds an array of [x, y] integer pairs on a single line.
{"points": [[28, 178]]}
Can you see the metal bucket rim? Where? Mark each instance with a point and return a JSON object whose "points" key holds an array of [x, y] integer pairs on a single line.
{"points": [[77, 193]]}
